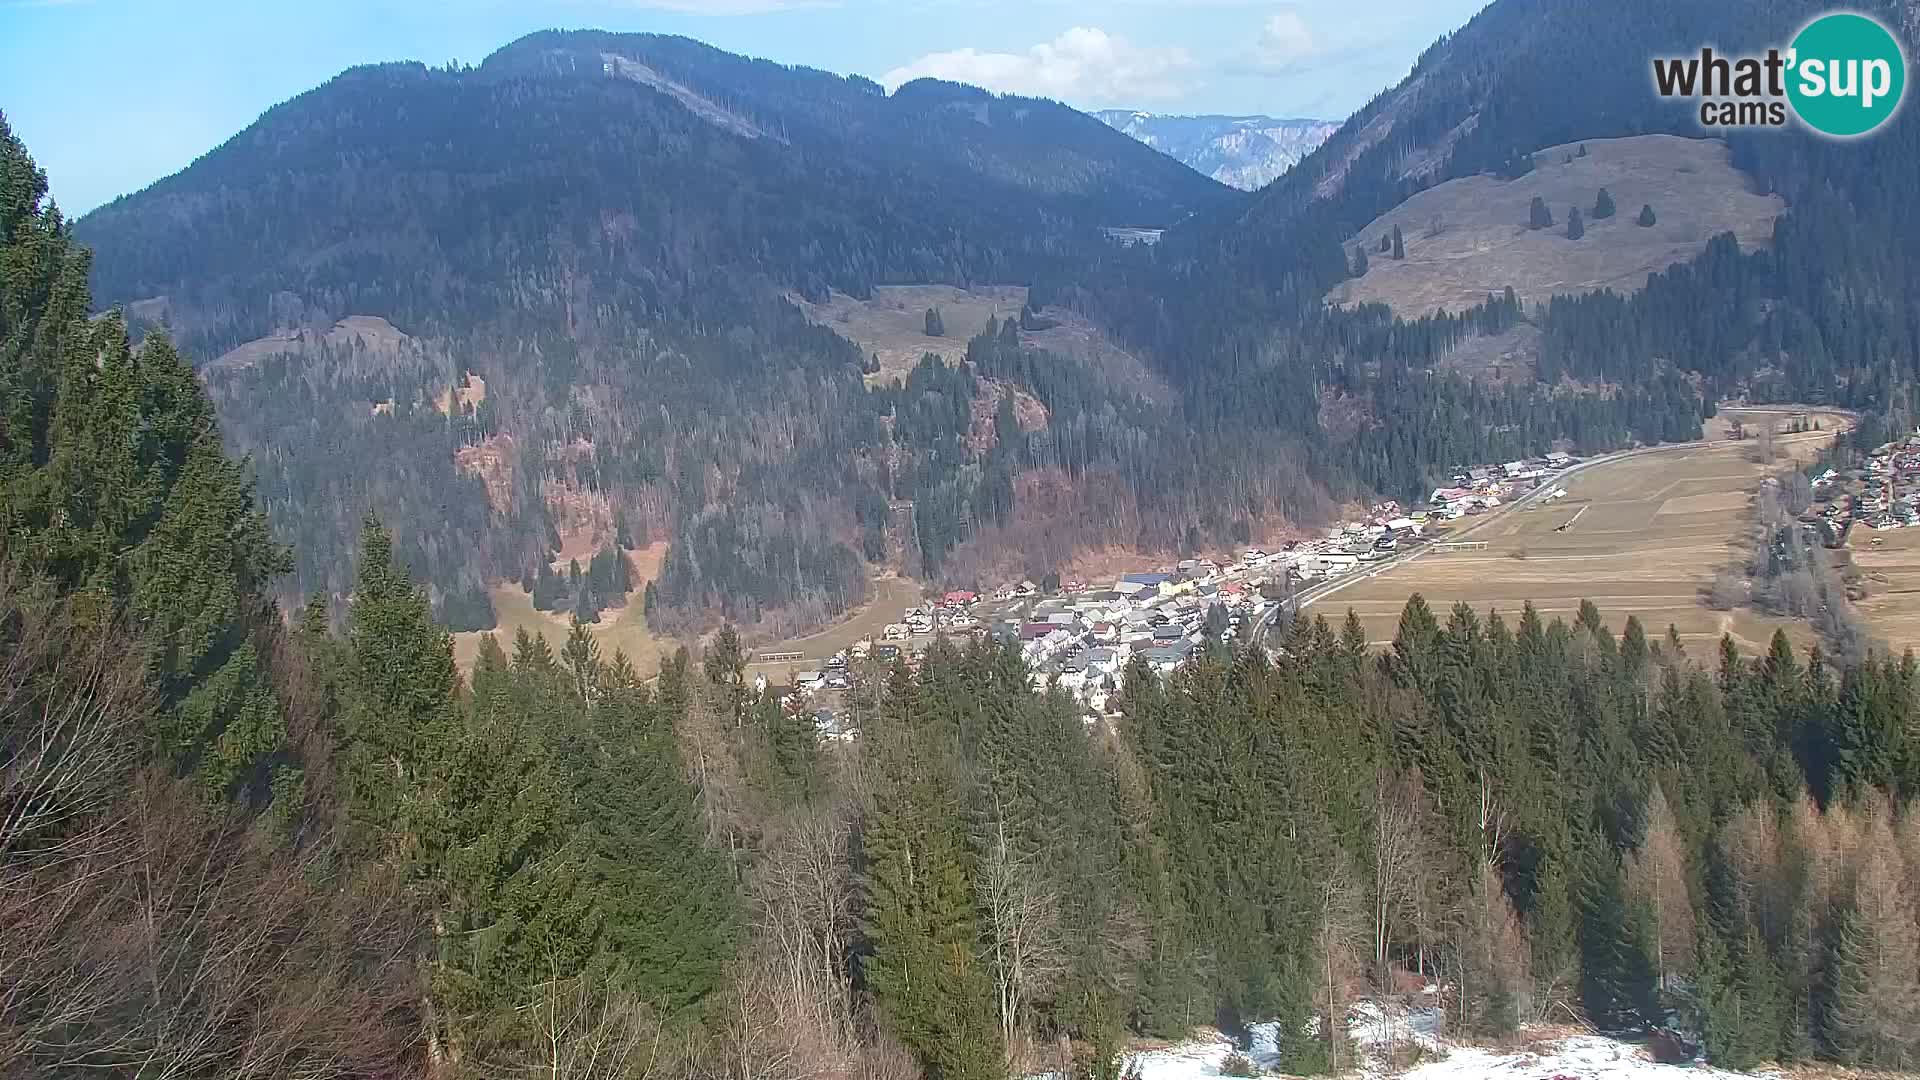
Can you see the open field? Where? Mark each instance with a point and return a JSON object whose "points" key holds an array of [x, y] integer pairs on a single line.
{"points": [[1892, 569], [623, 628], [1648, 535], [1469, 237], [892, 596]]}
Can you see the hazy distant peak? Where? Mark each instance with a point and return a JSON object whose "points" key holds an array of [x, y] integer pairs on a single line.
{"points": [[1245, 151]]}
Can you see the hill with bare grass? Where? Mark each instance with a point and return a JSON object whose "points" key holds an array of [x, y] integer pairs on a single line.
{"points": [[1469, 237]]}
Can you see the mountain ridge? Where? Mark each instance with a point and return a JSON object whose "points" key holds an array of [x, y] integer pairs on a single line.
{"points": [[634, 337], [1245, 151]]}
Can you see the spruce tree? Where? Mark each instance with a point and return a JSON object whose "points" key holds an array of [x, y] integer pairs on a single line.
{"points": [[1616, 942], [929, 987], [581, 654], [1359, 261], [1538, 216], [531, 652], [399, 688], [1603, 207], [1399, 244], [1575, 227], [936, 326], [1646, 218], [666, 901]]}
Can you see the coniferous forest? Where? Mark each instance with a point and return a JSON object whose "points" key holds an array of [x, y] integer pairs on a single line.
{"points": [[241, 840]]}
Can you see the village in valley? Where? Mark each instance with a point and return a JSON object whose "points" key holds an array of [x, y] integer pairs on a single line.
{"points": [[1081, 636], [1883, 493]]}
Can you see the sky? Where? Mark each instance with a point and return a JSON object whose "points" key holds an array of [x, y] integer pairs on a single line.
{"points": [[111, 95]]}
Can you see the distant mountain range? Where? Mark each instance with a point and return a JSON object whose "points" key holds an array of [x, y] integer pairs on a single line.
{"points": [[1247, 152]]}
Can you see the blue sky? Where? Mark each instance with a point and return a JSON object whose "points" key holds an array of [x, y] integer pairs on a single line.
{"points": [[110, 95]]}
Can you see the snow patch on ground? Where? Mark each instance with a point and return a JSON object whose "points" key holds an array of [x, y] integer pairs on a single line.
{"points": [[1585, 1057], [1375, 1030]]}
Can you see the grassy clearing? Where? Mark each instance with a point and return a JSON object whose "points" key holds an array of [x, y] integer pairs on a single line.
{"points": [[893, 323], [892, 596], [1469, 237], [623, 628]]}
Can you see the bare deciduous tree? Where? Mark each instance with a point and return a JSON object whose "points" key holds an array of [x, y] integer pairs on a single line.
{"points": [[72, 702], [1400, 850], [1021, 921], [173, 943], [1491, 955], [1765, 441], [1340, 943], [1876, 1010], [1657, 874], [804, 918]]}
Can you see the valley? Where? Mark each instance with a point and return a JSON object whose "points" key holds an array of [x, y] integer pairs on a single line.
{"points": [[1644, 535], [657, 351]]}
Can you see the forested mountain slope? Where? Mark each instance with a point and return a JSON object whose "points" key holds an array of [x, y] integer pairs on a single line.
{"points": [[602, 228], [654, 160], [1232, 305]]}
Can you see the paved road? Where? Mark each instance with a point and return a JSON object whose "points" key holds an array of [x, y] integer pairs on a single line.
{"points": [[1321, 591]]}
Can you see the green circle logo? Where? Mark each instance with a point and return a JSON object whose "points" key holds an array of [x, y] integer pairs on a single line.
{"points": [[1846, 74]]}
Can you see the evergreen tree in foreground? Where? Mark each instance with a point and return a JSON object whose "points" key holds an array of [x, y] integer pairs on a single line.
{"points": [[1538, 216], [936, 326], [1575, 227], [1602, 206], [929, 986], [399, 720]]}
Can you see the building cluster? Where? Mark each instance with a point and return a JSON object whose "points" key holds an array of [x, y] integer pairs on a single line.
{"points": [[1891, 498], [1083, 636], [1481, 488], [1884, 493]]}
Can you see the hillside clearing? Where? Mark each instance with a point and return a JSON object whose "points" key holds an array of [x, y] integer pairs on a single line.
{"points": [[622, 628], [1469, 237], [893, 326]]}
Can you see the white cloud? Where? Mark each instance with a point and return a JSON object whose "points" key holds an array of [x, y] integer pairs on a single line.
{"points": [[1084, 65], [1284, 40]]}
